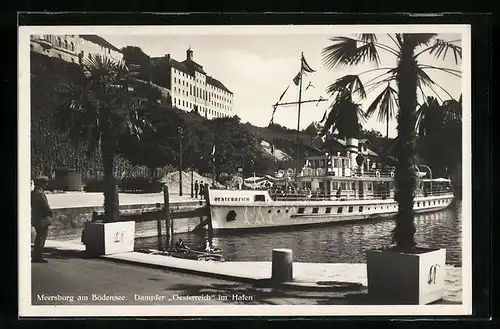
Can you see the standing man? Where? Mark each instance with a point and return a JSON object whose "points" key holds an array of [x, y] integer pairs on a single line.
{"points": [[196, 187], [40, 217], [202, 189]]}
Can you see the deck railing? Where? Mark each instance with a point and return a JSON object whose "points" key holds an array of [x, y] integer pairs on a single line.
{"points": [[347, 196], [310, 172]]}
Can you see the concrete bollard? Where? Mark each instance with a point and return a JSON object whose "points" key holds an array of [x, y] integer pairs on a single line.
{"points": [[282, 265]]}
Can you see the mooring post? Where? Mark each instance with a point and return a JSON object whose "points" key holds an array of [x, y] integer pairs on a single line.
{"points": [[158, 228], [166, 211], [282, 265], [207, 204]]}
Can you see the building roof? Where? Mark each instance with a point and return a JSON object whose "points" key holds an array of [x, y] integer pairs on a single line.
{"points": [[99, 41], [189, 67], [193, 66], [217, 83]]}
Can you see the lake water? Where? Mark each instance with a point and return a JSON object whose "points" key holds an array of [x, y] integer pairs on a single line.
{"points": [[338, 243]]}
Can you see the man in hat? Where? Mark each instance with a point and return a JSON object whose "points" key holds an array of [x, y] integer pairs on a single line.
{"points": [[40, 216], [196, 189]]}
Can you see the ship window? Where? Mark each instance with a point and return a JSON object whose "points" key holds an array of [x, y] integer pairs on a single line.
{"points": [[360, 208], [259, 197], [279, 210], [315, 210], [418, 204], [269, 211], [339, 210], [286, 211], [342, 185], [368, 208], [350, 209], [301, 210], [353, 186], [370, 186], [328, 210]]}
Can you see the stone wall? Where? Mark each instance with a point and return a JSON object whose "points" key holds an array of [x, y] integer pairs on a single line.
{"points": [[67, 224]]}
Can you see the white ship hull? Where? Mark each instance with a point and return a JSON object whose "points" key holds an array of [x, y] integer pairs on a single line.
{"points": [[237, 210]]}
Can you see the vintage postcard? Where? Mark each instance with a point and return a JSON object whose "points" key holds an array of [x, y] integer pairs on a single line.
{"points": [[244, 170]]}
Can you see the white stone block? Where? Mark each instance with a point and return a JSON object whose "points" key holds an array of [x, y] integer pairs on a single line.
{"points": [[109, 238], [406, 278]]}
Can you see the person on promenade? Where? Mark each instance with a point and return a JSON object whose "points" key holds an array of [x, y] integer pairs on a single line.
{"points": [[196, 188], [40, 217], [202, 190], [339, 192], [205, 191]]}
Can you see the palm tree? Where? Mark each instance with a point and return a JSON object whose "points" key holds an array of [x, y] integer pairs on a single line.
{"points": [[440, 129], [99, 109], [345, 116], [410, 77]]}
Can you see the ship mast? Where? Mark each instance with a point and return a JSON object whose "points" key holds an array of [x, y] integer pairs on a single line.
{"points": [[297, 164], [298, 118]]}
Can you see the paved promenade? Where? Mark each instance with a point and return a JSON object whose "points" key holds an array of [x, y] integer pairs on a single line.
{"points": [[84, 199], [346, 280]]}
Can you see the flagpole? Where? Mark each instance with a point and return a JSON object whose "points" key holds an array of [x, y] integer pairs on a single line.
{"points": [[298, 116]]}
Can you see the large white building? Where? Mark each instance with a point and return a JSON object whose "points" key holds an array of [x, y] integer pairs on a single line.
{"points": [[73, 48], [192, 89]]}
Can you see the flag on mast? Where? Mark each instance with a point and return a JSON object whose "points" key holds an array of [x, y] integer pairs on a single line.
{"points": [[296, 80], [305, 66]]}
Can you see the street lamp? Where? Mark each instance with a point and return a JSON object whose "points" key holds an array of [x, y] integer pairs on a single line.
{"points": [[180, 160]]}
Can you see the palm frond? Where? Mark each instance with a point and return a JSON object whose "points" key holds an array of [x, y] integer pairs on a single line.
{"points": [[423, 79], [385, 103], [351, 83], [345, 51], [367, 37], [419, 39], [440, 49]]}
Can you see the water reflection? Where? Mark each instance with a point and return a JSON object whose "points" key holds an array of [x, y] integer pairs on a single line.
{"points": [[346, 243]]}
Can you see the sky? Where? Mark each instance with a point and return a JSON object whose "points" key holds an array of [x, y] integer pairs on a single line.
{"points": [[258, 68]]}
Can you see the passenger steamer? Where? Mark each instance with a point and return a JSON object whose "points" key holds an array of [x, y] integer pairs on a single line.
{"points": [[329, 190]]}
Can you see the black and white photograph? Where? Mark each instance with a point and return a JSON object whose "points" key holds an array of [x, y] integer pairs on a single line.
{"points": [[244, 170]]}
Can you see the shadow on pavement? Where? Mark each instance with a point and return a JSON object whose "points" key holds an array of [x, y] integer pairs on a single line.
{"points": [[241, 293], [66, 254]]}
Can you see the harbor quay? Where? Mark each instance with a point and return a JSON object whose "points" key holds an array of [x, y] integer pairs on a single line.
{"points": [[72, 209], [150, 279]]}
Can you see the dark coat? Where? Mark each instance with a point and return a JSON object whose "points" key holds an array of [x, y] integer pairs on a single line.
{"points": [[39, 205]]}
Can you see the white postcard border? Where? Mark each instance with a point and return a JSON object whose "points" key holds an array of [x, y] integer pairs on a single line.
{"points": [[24, 226]]}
